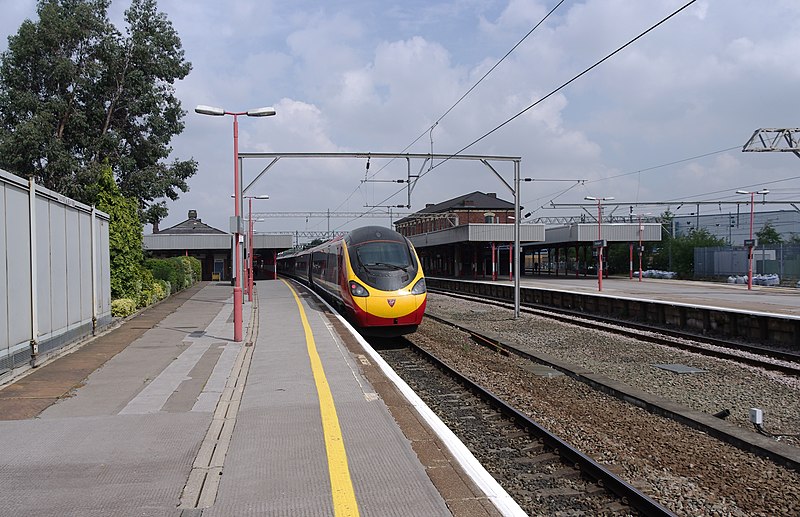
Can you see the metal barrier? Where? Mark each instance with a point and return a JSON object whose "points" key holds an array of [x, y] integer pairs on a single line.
{"points": [[56, 284]]}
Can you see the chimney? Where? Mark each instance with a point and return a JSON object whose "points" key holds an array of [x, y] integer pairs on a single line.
{"points": [[492, 194], [192, 214], [428, 205]]}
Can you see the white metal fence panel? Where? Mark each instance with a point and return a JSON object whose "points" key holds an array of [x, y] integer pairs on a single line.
{"points": [[54, 259]]}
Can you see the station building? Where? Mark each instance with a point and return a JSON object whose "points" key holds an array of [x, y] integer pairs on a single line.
{"points": [[472, 236], [214, 248], [468, 236]]}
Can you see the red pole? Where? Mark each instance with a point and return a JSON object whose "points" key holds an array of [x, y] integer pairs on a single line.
{"points": [[630, 262], [750, 247], [274, 265], [640, 247], [600, 248], [250, 250], [237, 287]]}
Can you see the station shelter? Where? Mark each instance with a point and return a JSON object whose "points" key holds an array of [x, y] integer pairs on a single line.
{"points": [[470, 236], [214, 248], [573, 249]]}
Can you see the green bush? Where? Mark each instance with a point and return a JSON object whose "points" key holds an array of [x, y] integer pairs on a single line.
{"points": [[145, 298], [160, 289], [177, 273], [122, 307], [165, 270], [183, 273], [197, 269]]}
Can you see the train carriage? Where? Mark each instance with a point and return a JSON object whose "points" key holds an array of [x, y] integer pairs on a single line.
{"points": [[373, 274]]}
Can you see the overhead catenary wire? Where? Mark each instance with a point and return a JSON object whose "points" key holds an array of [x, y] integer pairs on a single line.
{"points": [[429, 130], [553, 92]]}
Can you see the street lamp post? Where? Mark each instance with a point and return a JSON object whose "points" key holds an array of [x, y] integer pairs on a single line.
{"points": [[750, 243], [237, 287], [641, 248], [599, 242], [250, 244]]}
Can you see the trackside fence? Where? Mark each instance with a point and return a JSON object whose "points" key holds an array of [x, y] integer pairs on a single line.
{"points": [[55, 283], [779, 259]]}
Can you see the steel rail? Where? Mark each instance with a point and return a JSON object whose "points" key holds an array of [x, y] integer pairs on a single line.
{"points": [[588, 466], [632, 330], [780, 454]]}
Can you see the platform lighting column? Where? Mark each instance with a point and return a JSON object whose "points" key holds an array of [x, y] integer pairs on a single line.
{"points": [[599, 237], [750, 243], [641, 247], [641, 230], [630, 262], [237, 288], [249, 275]]}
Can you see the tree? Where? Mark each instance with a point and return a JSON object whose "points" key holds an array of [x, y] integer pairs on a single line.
{"points": [[77, 95], [683, 250], [768, 235]]}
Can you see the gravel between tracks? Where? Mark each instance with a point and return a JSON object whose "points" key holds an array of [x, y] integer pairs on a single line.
{"points": [[685, 470]]}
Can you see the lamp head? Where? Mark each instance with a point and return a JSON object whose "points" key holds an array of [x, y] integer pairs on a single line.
{"points": [[261, 112], [209, 110]]}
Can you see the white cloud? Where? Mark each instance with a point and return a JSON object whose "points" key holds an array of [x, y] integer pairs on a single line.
{"points": [[359, 76]]}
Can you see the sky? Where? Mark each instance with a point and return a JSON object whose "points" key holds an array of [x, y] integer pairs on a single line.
{"points": [[663, 120]]}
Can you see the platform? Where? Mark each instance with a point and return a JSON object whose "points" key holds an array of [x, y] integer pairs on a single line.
{"points": [[182, 421], [765, 299]]}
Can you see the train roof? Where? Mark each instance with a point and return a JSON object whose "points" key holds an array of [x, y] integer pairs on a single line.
{"points": [[371, 233], [357, 236]]}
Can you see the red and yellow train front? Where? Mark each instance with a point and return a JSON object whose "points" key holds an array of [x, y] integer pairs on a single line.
{"points": [[385, 285]]}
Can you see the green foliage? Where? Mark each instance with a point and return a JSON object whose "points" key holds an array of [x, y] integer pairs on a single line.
{"points": [[197, 269], [124, 237], [164, 270], [768, 235], [76, 94], [175, 273], [618, 257], [183, 273], [683, 250], [160, 289], [122, 307]]}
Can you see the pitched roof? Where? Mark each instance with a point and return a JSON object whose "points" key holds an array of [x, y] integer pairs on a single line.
{"points": [[192, 225], [473, 201]]}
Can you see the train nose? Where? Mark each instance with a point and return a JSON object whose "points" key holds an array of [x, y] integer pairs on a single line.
{"points": [[393, 309]]}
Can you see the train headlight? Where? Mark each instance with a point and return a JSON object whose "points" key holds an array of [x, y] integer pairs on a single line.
{"points": [[419, 287], [357, 289]]}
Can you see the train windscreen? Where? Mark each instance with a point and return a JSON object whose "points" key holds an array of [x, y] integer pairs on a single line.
{"points": [[386, 265]]}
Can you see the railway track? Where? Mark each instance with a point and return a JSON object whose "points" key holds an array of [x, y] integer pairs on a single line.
{"points": [[782, 361], [543, 473]]}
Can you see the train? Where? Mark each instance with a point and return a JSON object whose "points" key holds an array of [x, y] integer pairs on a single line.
{"points": [[372, 275]]}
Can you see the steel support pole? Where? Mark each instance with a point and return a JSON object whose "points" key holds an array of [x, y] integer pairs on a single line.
{"points": [[750, 246], [600, 247], [641, 229], [516, 239], [237, 286], [250, 250]]}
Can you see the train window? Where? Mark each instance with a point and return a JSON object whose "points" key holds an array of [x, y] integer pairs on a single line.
{"points": [[384, 254]]}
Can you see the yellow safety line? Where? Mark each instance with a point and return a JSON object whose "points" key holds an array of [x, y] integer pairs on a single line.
{"points": [[344, 498]]}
